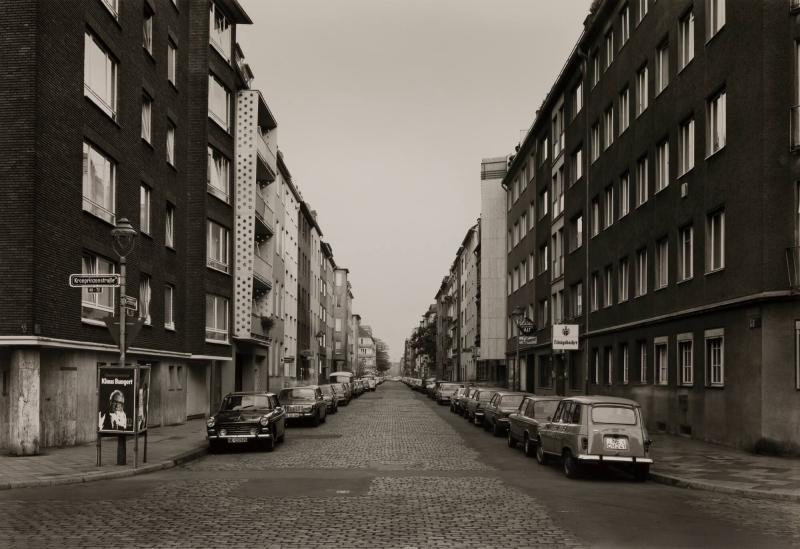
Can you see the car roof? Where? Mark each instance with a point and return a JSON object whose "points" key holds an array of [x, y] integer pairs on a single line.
{"points": [[301, 387], [602, 399], [507, 393], [243, 393]]}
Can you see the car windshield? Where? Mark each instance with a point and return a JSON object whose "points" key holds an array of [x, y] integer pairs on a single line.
{"points": [[298, 393], [485, 396], [233, 403], [619, 415], [511, 401], [544, 408]]}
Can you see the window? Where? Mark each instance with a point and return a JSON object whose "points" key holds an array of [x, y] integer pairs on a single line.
{"points": [[219, 102], [100, 75], [608, 126], [543, 203], [641, 181], [558, 132], [576, 165], [623, 357], [576, 299], [686, 147], [642, 10], [596, 366], [685, 358], [715, 17], [641, 91], [608, 291], [218, 175], [147, 32], [609, 48], [523, 224], [595, 68], [577, 99], [662, 67], [144, 298], [624, 195], [216, 319], [641, 272], [218, 255], [113, 7], [623, 280], [544, 315], [544, 150], [169, 307], [147, 118], [219, 31], [514, 280], [715, 358], [715, 241], [624, 25], [643, 361], [338, 324], [558, 253], [595, 141], [595, 216], [594, 290], [662, 365], [558, 192], [169, 227], [685, 40], [662, 165], [624, 109], [609, 363], [662, 265], [558, 307], [609, 206], [96, 306], [715, 121], [99, 184], [170, 143], [144, 209], [172, 63], [576, 233], [543, 259], [685, 257]]}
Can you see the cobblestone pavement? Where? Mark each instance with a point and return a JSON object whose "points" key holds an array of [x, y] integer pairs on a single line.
{"points": [[393, 470]]}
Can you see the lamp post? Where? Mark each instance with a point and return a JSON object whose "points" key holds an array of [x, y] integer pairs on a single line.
{"points": [[124, 240], [320, 335], [516, 315]]}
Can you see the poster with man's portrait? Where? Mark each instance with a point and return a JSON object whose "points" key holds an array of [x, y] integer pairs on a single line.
{"points": [[116, 400]]}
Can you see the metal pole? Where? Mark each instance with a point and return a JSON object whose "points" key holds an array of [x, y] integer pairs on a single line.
{"points": [[121, 449], [516, 368], [136, 418]]}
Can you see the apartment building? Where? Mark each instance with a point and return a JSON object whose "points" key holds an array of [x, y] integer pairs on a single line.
{"points": [[366, 349], [341, 320], [468, 318], [290, 248], [327, 308], [664, 229]]}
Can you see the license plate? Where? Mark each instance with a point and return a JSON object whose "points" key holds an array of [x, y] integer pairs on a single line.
{"points": [[292, 414], [237, 440], [616, 443]]}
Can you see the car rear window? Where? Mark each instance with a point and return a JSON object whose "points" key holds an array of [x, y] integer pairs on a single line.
{"points": [[618, 415]]}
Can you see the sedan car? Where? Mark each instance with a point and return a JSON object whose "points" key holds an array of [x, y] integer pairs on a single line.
{"points": [[445, 391], [596, 430], [247, 418], [304, 403], [460, 402], [329, 396], [497, 410], [523, 425], [343, 393], [474, 406]]}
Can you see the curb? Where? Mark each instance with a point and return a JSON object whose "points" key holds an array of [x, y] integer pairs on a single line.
{"points": [[679, 482], [93, 476]]}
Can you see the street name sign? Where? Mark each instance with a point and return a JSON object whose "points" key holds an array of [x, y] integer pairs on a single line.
{"points": [[129, 302], [565, 337], [528, 340], [94, 280]]}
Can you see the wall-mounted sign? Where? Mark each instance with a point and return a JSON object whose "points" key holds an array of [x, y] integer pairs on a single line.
{"points": [[565, 337], [527, 340], [96, 280]]}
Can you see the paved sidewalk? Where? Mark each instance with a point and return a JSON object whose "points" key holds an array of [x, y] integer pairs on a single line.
{"points": [[689, 463], [167, 447]]}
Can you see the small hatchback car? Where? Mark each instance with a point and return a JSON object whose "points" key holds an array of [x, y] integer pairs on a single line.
{"points": [[596, 430]]}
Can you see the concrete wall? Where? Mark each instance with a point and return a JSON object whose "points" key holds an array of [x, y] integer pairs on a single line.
{"points": [[493, 269], [197, 389]]}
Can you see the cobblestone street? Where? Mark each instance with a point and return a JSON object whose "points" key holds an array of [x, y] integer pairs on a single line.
{"points": [[393, 469]]}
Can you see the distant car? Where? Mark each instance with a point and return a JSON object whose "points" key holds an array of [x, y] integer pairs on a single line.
{"points": [[460, 402], [454, 400], [523, 425], [329, 396], [371, 383], [247, 418], [304, 403], [474, 405], [445, 392], [429, 387], [596, 430], [343, 393], [497, 410]]}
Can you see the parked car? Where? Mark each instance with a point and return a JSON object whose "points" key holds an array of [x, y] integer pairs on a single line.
{"points": [[304, 403], [429, 387], [371, 383], [596, 430], [445, 391], [497, 410], [474, 405], [460, 392], [523, 425], [344, 393], [460, 402], [329, 396], [247, 418]]}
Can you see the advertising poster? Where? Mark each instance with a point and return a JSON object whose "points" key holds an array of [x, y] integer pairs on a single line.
{"points": [[143, 398], [116, 400]]}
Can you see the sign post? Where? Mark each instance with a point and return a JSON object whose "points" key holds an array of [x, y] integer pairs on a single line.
{"points": [[565, 338]]}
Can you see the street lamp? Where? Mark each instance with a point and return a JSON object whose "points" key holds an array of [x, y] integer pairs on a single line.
{"points": [[320, 335], [516, 315], [124, 240]]}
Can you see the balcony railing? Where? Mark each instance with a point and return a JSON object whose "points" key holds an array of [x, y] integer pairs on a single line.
{"points": [[262, 271], [259, 327], [795, 127], [265, 215], [793, 267], [267, 155]]}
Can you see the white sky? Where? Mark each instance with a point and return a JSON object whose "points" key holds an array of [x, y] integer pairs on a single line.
{"points": [[385, 109]]}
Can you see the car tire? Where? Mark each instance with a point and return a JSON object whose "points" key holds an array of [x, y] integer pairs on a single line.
{"points": [[316, 421], [641, 472], [283, 435], [541, 457], [512, 443], [496, 431], [571, 466]]}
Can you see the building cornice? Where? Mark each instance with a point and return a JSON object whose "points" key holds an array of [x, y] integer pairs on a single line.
{"points": [[56, 343]]}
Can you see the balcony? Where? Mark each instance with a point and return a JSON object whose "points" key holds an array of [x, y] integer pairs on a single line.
{"points": [[793, 268], [260, 326], [265, 218], [267, 161], [262, 274], [794, 143]]}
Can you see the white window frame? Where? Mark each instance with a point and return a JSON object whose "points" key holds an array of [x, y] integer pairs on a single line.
{"points": [[594, 144], [643, 8], [661, 361], [217, 92], [662, 264], [145, 298], [147, 118], [685, 40], [608, 126], [220, 34], [216, 333], [172, 63], [100, 75], [577, 165], [597, 366], [642, 97], [685, 253], [685, 352], [625, 364], [609, 45], [608, 207], [147, 33], [643, 362], [608, 290], [716, 122], [686, 147], [219, 175], [594, 303], [623, 278], [715, 373], [169, 226], [715, 238], [170, 153], [624, 109], [103, 207], [662, 166], [595, 218], [218, 257], [169, 307], [577, 100], [642, 185], [624, 25], [112, 6], [145, 201], [96, 306], [662, 68], [641, 272], [624, 195], [715, 17]]}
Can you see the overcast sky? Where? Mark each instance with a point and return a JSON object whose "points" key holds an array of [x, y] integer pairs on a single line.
{"points": [[385, 109]]}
